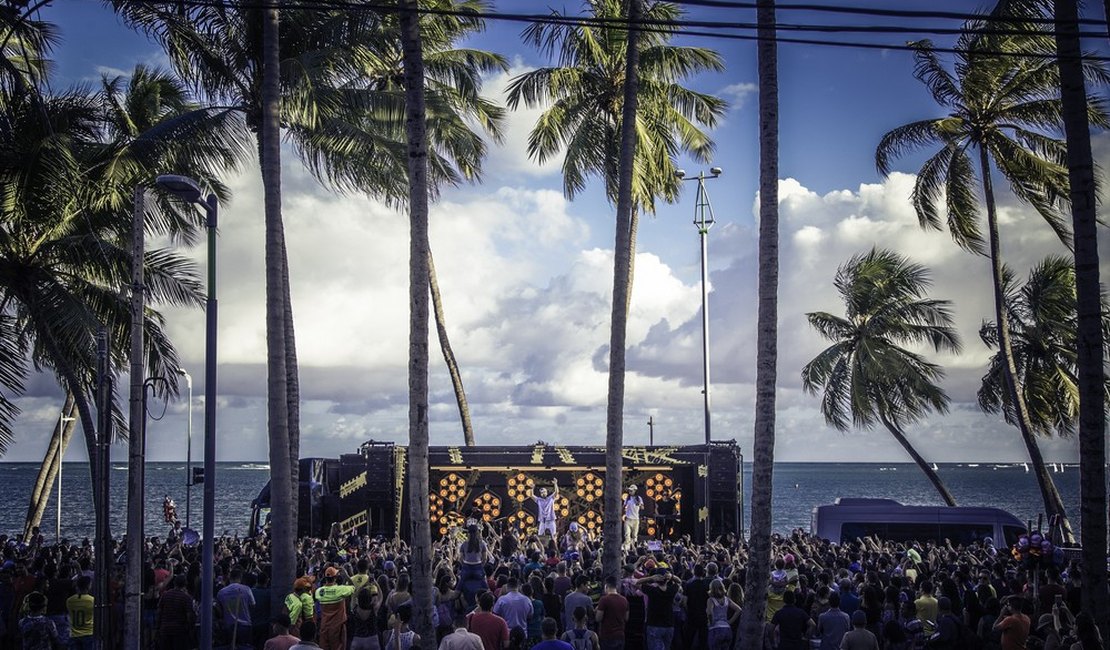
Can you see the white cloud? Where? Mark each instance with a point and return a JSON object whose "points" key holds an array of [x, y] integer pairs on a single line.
{"points": [[737, 94], [511, 156]]}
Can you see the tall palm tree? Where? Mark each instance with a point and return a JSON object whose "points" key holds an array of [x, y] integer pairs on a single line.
{"points": [[419, 256], [763, 441], [866, 375], [138, 117], [1002, 102], [1090, 337], [1042, 317], [585, 98]]}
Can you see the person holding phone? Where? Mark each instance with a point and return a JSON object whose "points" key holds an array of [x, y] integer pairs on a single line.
{"points": [[1013, 622]]}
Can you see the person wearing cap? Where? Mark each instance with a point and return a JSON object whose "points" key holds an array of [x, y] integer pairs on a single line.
{"points": [[300, 604], [332, 633], [859, 638], [545, 507], [36, 630], [632, 506]]}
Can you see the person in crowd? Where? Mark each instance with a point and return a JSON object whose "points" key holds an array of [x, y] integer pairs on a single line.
{"points": [[660, 590], [514, 607], [549, 642], [80, 607], [235, 601], [308, 636], [833, 624], [176, 616], [611, 615], [332, 597], [791, 624], [580, 597], [581, 637], [460, 638], [280, 638], [401, 637], [491, 628], [859, 637], [36, 630], [1013, 622], [721, 614]]}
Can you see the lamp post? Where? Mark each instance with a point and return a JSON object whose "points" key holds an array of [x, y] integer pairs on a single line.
{"points": [[703, 219], [188, 449], [188, 190], [61, 458]]}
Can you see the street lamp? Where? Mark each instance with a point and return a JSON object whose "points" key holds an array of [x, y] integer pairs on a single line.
{"points": [[703, 219], [188, 449], [188, 190]]}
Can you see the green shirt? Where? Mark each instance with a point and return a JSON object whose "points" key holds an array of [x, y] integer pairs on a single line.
{"points": [[329, 594]]}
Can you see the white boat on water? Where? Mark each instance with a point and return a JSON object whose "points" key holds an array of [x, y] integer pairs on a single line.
{"points": [[935, 468], [973, 464], [1026, 466]]}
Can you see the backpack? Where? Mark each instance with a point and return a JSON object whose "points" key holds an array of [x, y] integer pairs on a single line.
{"points": [[580, 639]]}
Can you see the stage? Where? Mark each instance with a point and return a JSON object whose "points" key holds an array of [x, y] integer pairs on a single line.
{"points": [[688, 490]]}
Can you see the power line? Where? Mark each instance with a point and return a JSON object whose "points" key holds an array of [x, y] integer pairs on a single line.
{"points": [[678, 27]]}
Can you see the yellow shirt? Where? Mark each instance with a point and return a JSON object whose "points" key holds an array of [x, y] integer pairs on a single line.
{"points": [[80, 608], [358, 580]]}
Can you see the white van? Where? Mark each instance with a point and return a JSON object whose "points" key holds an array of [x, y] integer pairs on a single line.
{"points": [[851, 519]]}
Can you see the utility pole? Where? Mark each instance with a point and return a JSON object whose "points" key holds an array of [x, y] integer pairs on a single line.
{"points": [[651, 430], [102, 614], [136, 458]]}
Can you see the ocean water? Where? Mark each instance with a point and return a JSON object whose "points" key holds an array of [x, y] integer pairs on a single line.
{"points": [[798, 487]]}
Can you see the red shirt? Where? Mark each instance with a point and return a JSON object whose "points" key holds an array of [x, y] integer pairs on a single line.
{"points": [[492, 628], [614, 613], [1015, 630]]}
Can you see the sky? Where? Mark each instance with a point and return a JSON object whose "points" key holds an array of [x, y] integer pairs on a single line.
{"points": [[526, 275]]}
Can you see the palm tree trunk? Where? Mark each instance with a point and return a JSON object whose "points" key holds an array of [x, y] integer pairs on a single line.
{"points": [[763, 443], [48, 472], [1092, 407], [283, 528], [1053, 504], [419, 256], [633, 228], [292, 391], [900, 436], [622, 256], [449, 354]]}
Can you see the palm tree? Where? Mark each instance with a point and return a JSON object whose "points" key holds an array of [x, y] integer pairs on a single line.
{"points": [[866, 375], [1042, 317], [136, 119], [417, 147], [1001, 101], [585, 97], [1090, 337], [763, 441]]}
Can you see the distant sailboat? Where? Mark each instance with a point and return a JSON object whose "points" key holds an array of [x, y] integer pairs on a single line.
{"points": [[1026, 466], [935, 468]]}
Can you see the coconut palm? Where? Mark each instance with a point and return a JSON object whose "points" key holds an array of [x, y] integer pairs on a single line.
{"points": [[342, 107], [867, 376], [1042, 316], [584, 97], [763, 439], [1002, 102]]}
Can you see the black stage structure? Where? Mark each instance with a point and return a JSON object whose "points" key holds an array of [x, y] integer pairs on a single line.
{"points": [[694, 490]]}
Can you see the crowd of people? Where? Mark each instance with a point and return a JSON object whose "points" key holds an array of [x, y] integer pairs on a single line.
{"points": [[509, 590]]}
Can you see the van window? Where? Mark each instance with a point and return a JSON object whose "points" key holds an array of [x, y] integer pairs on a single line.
{"points": [[917, 532], [1011, 534]]}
